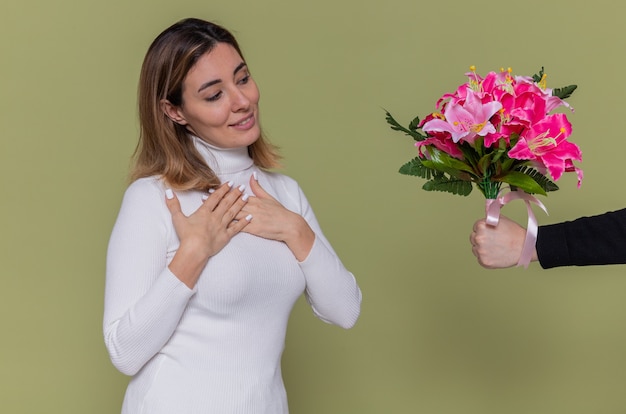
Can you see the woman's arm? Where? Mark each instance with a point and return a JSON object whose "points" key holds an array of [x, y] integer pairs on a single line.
{"points": [[150, 277], [143, 300], [331, 289]]}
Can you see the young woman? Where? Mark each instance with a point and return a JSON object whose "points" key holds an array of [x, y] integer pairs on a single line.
{"points": [[211, 250]]}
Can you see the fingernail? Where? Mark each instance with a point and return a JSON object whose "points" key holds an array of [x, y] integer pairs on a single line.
{"points": [[256, 178], [211, 190], [169, 194], [230, 183], [242, 187], [245, 197], [249, 217], [204, 197]]}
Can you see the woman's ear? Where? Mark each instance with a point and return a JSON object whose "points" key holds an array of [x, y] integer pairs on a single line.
{"points": [[173, 112]]}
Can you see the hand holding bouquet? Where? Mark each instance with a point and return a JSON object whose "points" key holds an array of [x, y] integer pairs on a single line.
{"points": [[494, 130]]}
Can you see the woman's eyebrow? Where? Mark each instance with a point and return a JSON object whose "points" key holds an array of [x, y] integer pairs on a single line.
{"points": [[213, 82], [207, 84], [239, 67]]}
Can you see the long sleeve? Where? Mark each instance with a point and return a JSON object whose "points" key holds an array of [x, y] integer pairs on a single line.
{"points": [[595, 240], [144, 301], [331, 290]]}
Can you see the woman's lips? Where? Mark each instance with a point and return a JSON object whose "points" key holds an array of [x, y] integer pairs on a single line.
{"points": [[246, 123]]}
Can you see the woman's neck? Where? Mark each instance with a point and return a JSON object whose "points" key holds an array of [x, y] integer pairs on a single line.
{"points": [[223, 160]]}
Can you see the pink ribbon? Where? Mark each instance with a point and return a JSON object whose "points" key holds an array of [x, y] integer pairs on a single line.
{"points": [[492, 209]]}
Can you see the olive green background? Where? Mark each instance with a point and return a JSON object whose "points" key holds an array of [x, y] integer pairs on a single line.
{"points": [[438, 333]]}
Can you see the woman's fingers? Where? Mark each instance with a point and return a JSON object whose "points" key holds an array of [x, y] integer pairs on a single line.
{"points": [[230, 204], [225, 204], [235, 209], [239, 223], [257, 190], [173, 205], [214, 199]]}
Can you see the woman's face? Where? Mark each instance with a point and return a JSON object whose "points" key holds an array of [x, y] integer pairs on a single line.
{"points": [[220, 100]]}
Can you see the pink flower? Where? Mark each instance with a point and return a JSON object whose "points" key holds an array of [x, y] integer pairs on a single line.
{"points": [[493, 130], [526, 84], [546, 142], [465, 120], [442, 142]]}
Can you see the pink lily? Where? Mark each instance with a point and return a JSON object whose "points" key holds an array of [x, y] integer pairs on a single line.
{"points": [[464, 121], [546, 142], [443, 143], [527, 84]]}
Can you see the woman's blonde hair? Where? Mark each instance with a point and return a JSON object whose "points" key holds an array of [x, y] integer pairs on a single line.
{"points": [[164, 147]]}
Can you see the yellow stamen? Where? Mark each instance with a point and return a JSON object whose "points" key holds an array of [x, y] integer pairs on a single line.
{"points": [[543, 140], [473, 83], [542, 82], [540, 142], [478, 127]]}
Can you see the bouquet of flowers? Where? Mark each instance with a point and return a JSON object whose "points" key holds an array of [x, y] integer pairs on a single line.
{"points": [[494, 130]]}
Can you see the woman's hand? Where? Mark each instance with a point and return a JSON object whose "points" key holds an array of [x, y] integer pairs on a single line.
{"points": [[271, 220], [498, 246], [206, 231]]}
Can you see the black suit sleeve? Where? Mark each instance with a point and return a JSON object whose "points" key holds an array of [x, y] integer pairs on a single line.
{"points": [[595, 240]]}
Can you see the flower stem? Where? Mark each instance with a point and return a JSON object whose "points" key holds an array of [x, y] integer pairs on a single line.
{"points": [[489, 188]]}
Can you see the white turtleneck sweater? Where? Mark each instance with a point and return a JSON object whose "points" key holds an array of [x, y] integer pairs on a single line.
{"points": [[215, 348]]}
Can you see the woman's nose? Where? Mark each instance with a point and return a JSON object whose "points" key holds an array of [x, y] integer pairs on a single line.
{"points": [[240, 101]]}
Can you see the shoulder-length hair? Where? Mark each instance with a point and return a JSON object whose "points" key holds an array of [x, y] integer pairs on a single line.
{"points": [[164, 147]]}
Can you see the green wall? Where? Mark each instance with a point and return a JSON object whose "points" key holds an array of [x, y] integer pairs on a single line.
{"points": [[438, 333]]}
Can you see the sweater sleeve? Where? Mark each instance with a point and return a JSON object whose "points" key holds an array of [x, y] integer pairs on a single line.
{"points": [[331, 290], [144, 301], [595, 240]]}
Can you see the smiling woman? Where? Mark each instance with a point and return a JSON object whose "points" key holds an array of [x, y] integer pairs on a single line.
{"points": [[220, 100], [200, 283], [174, 66]]}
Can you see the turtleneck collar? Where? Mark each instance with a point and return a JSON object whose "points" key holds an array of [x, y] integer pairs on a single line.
{"points": [[223, 160]]}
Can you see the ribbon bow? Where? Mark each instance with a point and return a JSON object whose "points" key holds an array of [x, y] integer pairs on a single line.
{"points": [[492, 209]]}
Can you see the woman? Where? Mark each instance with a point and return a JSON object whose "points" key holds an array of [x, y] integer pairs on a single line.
{"points": [[595, 240], [210, 250]]}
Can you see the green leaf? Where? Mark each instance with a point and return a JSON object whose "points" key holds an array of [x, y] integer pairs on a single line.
{"points": [[507, 164], [416, 168], [500, 150], [523, 182], [484, 163], [414, 123], [449, 185], [470, 154], [537, 77], [564, 92], [541, 179], [442, 158], [397, 127], [445, 169], [440, 167]]}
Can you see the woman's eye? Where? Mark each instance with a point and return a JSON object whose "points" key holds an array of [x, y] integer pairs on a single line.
{"points": [[245, 79], [214, 97]]}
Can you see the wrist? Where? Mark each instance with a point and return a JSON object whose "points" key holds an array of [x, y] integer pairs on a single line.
{"points": [[299, 238], [187, 264]]}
